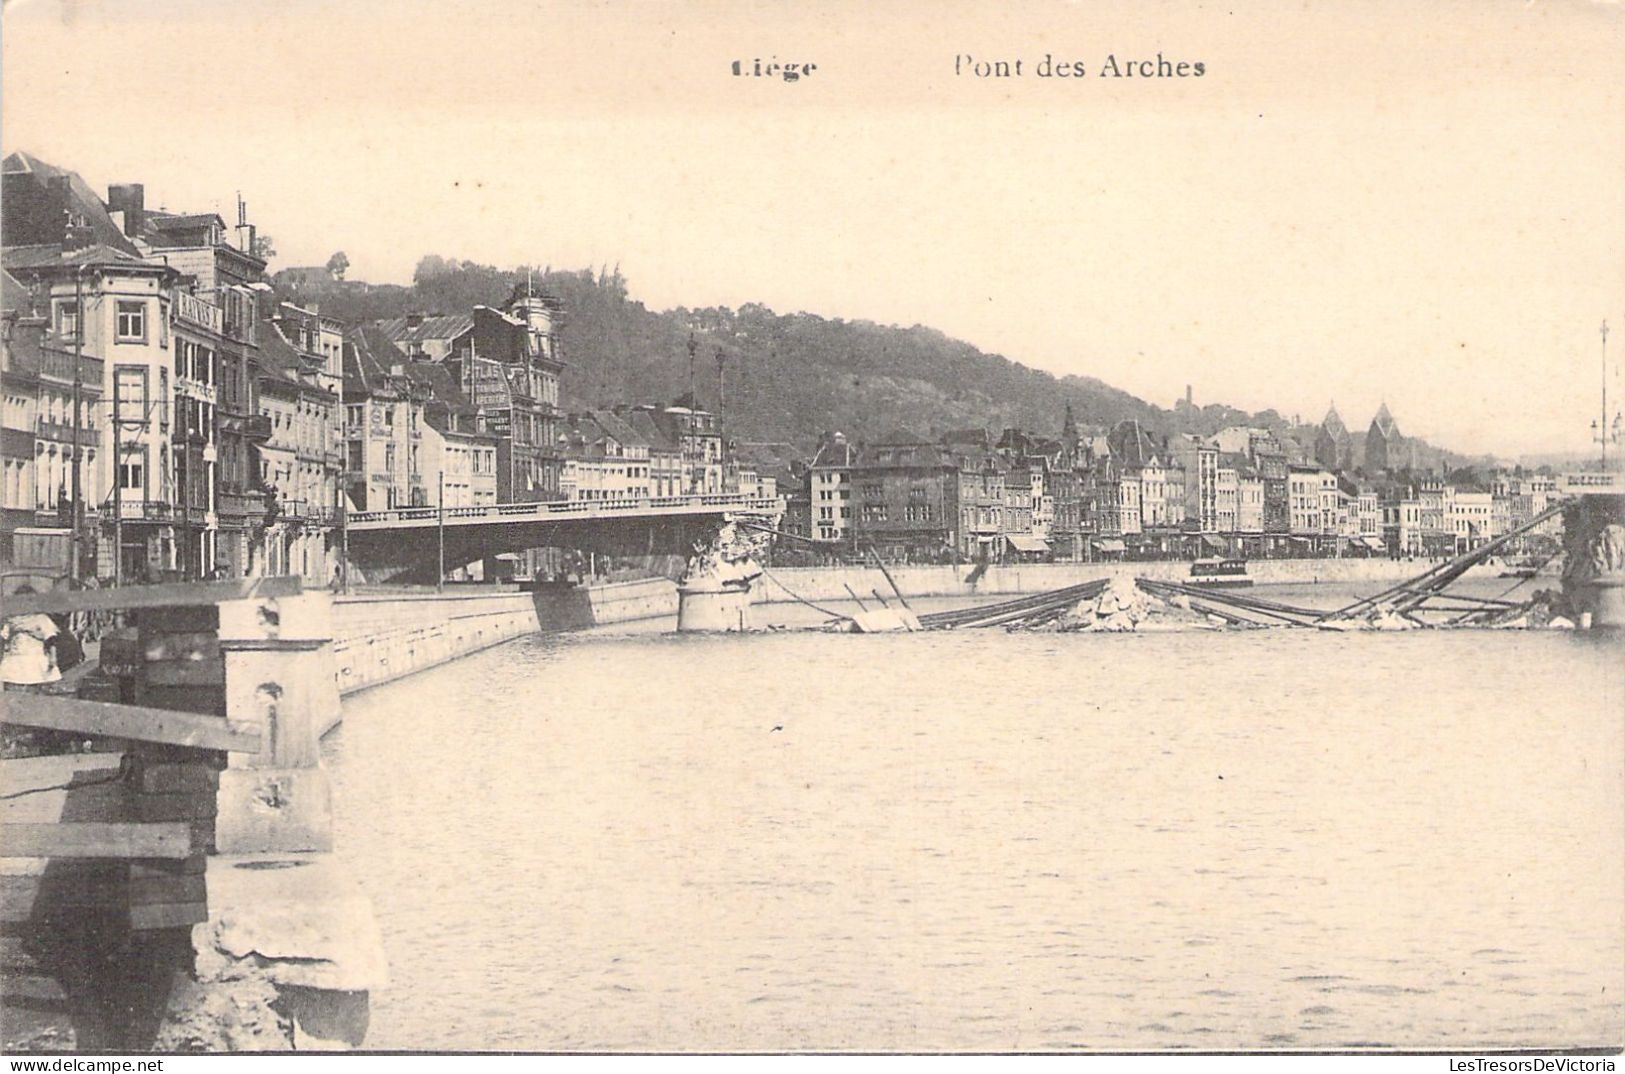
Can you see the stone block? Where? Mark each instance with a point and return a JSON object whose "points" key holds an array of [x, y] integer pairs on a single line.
{"points": [[264, 810]]}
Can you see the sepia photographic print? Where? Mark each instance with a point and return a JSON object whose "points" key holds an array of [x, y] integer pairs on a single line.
{"points": [[612, 528]]}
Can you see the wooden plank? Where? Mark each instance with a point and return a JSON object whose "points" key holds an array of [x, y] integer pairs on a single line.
{"points": [[196, 865], [188, 807], [202, 700], [178, 594], [24, 898], [164, 778], [73, 840], [166, 916], [152, 623], [150, 890], [185, 673], [133, 722]]}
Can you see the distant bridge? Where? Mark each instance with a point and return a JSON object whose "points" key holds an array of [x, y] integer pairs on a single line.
{"points": [[402, 544]]}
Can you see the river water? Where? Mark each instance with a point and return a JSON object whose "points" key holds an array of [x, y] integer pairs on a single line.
{"points": [[628, 840]]}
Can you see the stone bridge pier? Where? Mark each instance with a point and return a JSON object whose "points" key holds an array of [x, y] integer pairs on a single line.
{"points": [[1594, 547]]}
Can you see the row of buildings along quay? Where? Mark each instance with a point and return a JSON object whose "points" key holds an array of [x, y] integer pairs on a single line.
{"points": [[223, 430]]}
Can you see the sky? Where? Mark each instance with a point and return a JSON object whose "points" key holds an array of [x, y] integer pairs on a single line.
{"points": [[1418, 203]]}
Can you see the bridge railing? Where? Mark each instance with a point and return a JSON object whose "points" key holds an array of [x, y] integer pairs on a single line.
{"points": [[568, 508]]}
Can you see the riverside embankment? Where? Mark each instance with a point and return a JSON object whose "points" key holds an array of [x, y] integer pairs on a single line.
{"points": [[383, 635]]}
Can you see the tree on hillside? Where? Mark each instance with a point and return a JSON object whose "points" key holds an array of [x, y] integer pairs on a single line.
{"points": [[338, 265], [264, 247]]}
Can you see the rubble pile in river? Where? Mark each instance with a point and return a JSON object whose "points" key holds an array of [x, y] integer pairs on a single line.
{"points": [[1123, 607]]}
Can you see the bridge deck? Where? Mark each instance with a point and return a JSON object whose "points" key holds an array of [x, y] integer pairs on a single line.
{"points": [[566, 510]]}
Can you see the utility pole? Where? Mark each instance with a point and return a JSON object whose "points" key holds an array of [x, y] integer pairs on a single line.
{"points": [[1601, 432], [344, 535], [722, 390], [440, 532], [692, 347], [75, 541]]}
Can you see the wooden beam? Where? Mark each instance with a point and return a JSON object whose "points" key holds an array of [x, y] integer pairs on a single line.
{"points": [[135, 722], [179, 594], [171, 840]]}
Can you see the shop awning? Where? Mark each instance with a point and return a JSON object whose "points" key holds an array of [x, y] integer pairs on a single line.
{"points": [[1021, 542], [1218, 544], [1376, 544], [1302, 540], [1110, 544]]}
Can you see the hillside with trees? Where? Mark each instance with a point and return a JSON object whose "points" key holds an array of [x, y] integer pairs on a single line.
{"points": [[786, 376]]}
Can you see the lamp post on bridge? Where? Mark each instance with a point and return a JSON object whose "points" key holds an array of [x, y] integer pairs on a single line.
{"points": [[1601, 432], [440, 533]]}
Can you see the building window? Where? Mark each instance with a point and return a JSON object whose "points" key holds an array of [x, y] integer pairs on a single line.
{"points": [[67, 318], [132, 322], [130, 394], [133, 469]]}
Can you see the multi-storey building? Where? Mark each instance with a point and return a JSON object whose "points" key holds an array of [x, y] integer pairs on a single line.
{"points": [[300, 460], [1401, 521], [604, 459], [115, 307], [457, 452], [1304, 502], [698, 436], [667, 472], [508, 364], [198, 336], [383, 426], [1199, 459], [830, 490], [1472, 518], [981, 479], [37, 428], [222, 271], [907, 497]]}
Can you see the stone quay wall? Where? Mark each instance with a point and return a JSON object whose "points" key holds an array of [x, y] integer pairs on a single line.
{"points": [[379, 637]]}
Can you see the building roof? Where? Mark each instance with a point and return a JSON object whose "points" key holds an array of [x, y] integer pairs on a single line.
{"points": [[44, 256], [86, 202], [443, 390], [1384, 423], [835, 453], [369, 357], [1332, 425], [1132, 447], [652, 430], [430, 326], [975, 438], [162, 221], [906, 454], [13, 295], [1240, 463], [621, 430], [279, 362]]}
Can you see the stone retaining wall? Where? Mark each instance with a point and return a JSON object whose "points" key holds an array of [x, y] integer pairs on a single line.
{"points": [[381, 637]]}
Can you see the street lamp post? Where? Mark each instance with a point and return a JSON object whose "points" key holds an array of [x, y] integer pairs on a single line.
{"points": [[1602, 433]]}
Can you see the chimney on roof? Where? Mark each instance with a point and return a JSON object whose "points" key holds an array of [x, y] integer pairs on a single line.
{"points": [[414, 320], [131, 200]]}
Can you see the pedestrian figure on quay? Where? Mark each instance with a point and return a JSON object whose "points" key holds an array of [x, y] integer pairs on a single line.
{"points": [[28, 647]]}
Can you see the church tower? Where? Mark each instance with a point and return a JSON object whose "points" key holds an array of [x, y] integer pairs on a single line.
{"points": [[1384, 445]]}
